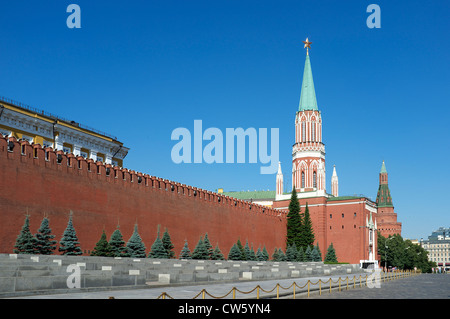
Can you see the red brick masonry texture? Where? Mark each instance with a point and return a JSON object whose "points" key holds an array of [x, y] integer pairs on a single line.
{"points": [[37, 181]]}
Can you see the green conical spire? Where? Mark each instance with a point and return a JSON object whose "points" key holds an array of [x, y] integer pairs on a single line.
{"points": [[308, 95], [383, 168]]}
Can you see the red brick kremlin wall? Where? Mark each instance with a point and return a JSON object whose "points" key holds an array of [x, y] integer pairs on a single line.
{"points": [[33, 181]]}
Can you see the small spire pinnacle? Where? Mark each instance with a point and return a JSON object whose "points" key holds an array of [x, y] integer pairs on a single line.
{"points": [[383, 168]]}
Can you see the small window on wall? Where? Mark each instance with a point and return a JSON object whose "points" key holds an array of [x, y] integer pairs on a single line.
{"points": [[84, 154], [303, 179], [67, 149], [315, 180]]}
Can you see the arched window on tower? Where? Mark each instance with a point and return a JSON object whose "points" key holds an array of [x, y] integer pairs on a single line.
{"points": [[303, 179], [313, 131], [303, 131], [315, 179]]}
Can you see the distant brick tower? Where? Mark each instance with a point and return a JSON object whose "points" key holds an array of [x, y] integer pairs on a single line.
{"points": [[387, 218], [308, 153]]}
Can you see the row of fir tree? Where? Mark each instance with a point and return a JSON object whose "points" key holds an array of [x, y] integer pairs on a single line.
{"points": [[43, 243]]}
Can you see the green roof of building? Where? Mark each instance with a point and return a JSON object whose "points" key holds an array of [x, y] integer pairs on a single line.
{"points": [[308, 99], [344, 197], [251, 194]]}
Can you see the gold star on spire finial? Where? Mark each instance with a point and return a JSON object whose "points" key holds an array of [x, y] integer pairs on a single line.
{"points": [[307, 45]]}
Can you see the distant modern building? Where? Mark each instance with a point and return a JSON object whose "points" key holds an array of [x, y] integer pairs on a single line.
{"points": [[40, 127], [438, 247]]}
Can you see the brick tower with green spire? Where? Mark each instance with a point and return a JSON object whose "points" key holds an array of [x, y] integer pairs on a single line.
{"points": [[308, 152], [387, 218]]}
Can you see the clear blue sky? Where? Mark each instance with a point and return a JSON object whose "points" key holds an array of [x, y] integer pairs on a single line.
{"points": [[140, 69]]}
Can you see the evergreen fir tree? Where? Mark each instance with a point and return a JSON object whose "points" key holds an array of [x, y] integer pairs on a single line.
{"points": [[167, 245], [315, 254], [117, 244], [241, 249], [135, 246], [235, 253], [259, 255], [307, 233], [294, 221], [265, 253], [208, 246], [252, 254], [45, 245], [185, 252], [281, 255], [308, 254], [200, 251], [25, 242], [331, 254], [275, 256], [247, 253], [301, 255], [158, 250], [69, 244], [217, 254], [319, 252], [292, 253], [102, 247]]}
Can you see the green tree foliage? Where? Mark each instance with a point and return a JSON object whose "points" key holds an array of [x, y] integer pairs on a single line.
{"points": [[45, 245], [69, 244], [135, 246], [217, 254], [278, 255], [259, 255], [235, 253], [247, 251], [200, 251], [241, 249], [252, 254], [25, 242], [330, 256], [292, 253], [102, 248], [167, 242], [265, 253], [117, 244], [307, 232], [301, 255], [397, 252], [315, 255], [208, 246], [185, 252], [158, 250], [318, 252], [308, 254], [294, 222], [275, 256]]}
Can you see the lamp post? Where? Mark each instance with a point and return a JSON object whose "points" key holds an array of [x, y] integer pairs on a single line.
{"points": [[385, 251]]}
